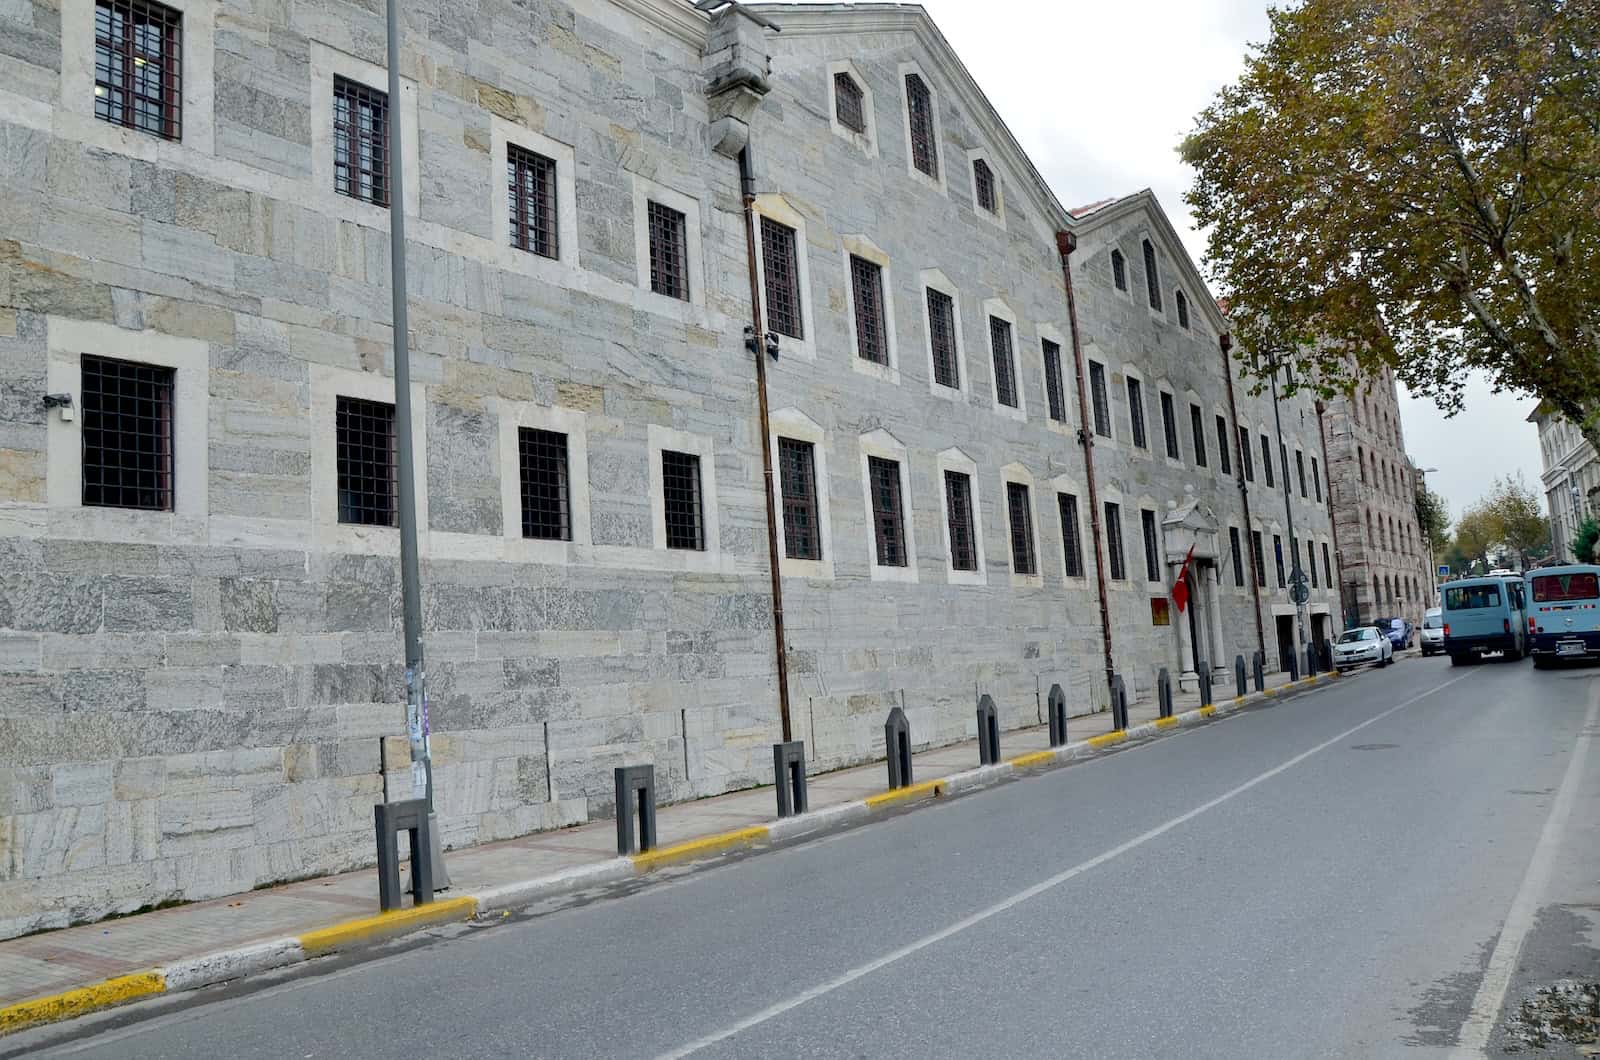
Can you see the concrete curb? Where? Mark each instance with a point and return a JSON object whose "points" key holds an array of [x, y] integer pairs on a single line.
{"points": [[237, 962]]}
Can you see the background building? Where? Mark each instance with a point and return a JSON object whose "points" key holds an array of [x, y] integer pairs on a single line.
{"points": [[1571, 478]]}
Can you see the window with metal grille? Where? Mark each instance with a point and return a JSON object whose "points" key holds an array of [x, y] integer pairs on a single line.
{"points": [[1311, 552], [780, 258], [531, 180], [365, 459], [669, 250], [872, 339], [919, 115], [360, 141], [1183, 310], [1099, 400], [1169, 426], [1224, 458], [1277, 554], [1238, 558], [127, 434], [1152, 282], [958, 508], [1136, 412], [681, 500], [1245, 455], [1152, 558], [797, 469], [847, 103], [1316, 478], [1283, 466], [1266, 460], [1361, 464], [1005, 368], [1300, 469], [1119, 569], [1119, 270], [546, 493], [942, 338], [1071, 541], [1023, 560], [138, 66], [1261, 559], [1052, 380], [1197, 428], [888, 520], [983, 185]]}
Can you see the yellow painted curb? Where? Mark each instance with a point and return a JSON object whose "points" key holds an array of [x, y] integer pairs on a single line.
{"points": [[1166, 723], [1237, 700], [1107, 739], [1208, 710], [1035, 758], [73, 1003], [387, 925], [1269, 691], [699, 848], [910, 791]]}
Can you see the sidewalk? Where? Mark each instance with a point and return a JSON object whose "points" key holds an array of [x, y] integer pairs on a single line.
{"points": [[193, 945]]}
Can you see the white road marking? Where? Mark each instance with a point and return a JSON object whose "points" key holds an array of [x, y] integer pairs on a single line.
{"points": [[1486, 1004], [821, 989]]}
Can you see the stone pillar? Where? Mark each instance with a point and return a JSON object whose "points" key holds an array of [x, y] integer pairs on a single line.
{"points": [[1214, 600], [1188, 680]]}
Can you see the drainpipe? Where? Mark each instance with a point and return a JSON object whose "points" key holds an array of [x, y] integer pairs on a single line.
{"points": [[1225, 341], [1066, 243], [1333, 523]]}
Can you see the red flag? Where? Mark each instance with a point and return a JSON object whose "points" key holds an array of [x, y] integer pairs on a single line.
{"points": [[1180, 588]]}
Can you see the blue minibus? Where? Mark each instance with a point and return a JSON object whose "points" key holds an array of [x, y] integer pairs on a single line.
{"points": [[1564, 613], [1483, 615]]}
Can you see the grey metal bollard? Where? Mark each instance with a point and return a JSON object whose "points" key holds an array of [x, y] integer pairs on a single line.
{"points": [[390, 819], [897, 744], [988, 731], [1164, 693], [636, 787], [1260, 672], [1057, 704], [1203, 671], [1311, 660], [1294, 666], [1238, 675], [1119, 704], [789, 776]]}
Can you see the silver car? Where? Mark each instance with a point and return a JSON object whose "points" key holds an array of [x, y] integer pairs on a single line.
{"points": [[1362, 646], [1433, 632]]}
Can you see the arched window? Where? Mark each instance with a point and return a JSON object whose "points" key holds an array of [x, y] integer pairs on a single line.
{"points": [[919, 115], [983, 185], [1183, 310], [847, 103], [1119, 270], [1151, 280], [1361, 462]]}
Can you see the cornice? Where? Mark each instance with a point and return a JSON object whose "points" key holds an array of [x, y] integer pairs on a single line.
{"points": [[676, 17]]}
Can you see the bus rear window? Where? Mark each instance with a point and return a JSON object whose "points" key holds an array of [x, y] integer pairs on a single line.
{"points": [[1558, 588], [1466, 597]]}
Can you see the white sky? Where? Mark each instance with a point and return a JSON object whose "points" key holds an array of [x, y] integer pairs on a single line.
{"points": [[1099, 95]]}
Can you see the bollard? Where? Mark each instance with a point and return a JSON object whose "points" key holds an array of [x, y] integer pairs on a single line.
{"points": [[988, 731], [636, 797], [897, 745], [1294, 666], [789, 776], [1057, 705], [1311, 660], [1238, 675], [1203, 669], [411, 817], [1119, 704], [1260, 672], [1164, 693]]}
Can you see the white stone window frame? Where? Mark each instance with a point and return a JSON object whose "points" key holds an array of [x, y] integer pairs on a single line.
{"points": [[1192, 400], [503, 134], [937, 280], [1063, 426], [1241, 585], [646, 191], [998, 217], [953, 459], [1148, 503], [67, 342], [776, 208], [1242, 424], [1016, 473], [997, 307], [1145, 235], [866, 142], [790, 422], [1125, 292], [1218, 412], [1188, 308], [861, 247], [1302, 474], [1130, 371], [513, 417], [880, 443], [1111, 495], [1068, 484], [326, 64], [328, 384], [941, 184], [657, 440], [198, 44], [1164, 387], [1247, 542]]}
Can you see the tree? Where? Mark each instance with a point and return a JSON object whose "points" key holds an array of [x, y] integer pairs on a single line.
{"points": [[1476, 534], [1517, 517], [1414, 185], [1583, 546], [1433, 516]]}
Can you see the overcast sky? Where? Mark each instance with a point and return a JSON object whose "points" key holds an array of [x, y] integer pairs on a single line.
{"points": [[1099, 95]]}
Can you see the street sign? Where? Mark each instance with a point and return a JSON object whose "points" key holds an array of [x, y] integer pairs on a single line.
{"points": [[1444, 570], [1297, 577], [1299, 593]]}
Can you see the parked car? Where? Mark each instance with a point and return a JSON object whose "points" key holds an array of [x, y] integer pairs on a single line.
{"points": [[1484, 615], [1433, 631], [1362, 646], [1564, 613], [1398, 630]]}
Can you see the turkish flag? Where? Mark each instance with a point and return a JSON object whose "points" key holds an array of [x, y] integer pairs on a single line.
{"points": [[1180, 589]]}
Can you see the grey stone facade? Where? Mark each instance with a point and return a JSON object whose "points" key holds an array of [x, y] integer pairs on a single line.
{"points": [[200, 701], [1570, 478]]}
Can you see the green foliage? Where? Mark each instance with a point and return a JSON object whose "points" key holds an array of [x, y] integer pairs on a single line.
{"points": [[1433, 515], [1583, 546], [1510, 518]]}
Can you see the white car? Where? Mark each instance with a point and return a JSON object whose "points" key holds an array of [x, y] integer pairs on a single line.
{"points": [[1433, 632], [1361, 646]]}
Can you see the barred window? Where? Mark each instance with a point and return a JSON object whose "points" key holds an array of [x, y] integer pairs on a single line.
{"points": [[958, 507], [1300, 470], [888, 520], [1097, 398], [1327, 567], [797, 471], [1277, 554], [919, 114], [1311, 552], [1023, 560], [1246, 456], [1238, 560], [1169, 426], [360, 141], [1052, 380], [872, 338], [532, 187], [1266, 460], [1152, 557], [1119, 569], [1316, 478], [669, 250], [1198, 430], [1283, 466], [1260, 558], [1071, 541], [1151, 280], [1119, 270], [942, 338], [847, 103], [983, 185], [1183, 310], [365, 460], [1224, 458], [546, 492], [780, 257], [1136, 412], [127, 434], [681, 498], [138, 66], [1005, 368]]}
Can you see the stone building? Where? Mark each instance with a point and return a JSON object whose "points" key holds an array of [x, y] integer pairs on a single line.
{"points": [[1571, 478], [199, 598]]}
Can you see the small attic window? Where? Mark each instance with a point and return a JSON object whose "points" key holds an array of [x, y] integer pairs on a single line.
{"points": [[847, 103]]}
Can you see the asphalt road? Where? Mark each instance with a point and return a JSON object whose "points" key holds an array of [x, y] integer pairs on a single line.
{"points": [[1327, 876]]}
